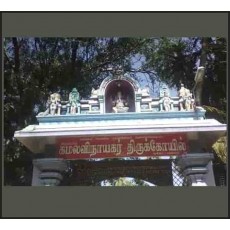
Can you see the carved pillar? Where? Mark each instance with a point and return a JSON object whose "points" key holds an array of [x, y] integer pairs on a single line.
{"points": [[172, 105], [101, 102], [161, 105], [48, 171], [195, 167], [68, 108], [195, 176], [209, 177], [138, 102], [59, 109], [78, 108]]}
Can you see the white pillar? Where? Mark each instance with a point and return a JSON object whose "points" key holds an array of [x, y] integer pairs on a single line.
{"points": [[138, 102], [209, 177], [48, 171], [197, 168], [50, 178], [35, 178], [195, 176], [102, 103], [197, 180]]}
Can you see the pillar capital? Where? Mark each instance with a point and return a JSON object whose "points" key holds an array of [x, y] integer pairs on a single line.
{"points": [[194, 167], [50, 178], [54, 164], [48, 171], [138, 96], [194, 159]]}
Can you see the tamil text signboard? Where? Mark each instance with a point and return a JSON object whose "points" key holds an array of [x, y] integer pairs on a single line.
{"points": [[122, 146]]}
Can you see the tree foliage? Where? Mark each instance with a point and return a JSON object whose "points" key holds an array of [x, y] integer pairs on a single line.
{"points": [[176, 60], [35, 67], [124, 181], [220, 147]]}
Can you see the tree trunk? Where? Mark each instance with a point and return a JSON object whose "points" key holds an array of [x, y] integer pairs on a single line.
{"points": [[199, 82]]}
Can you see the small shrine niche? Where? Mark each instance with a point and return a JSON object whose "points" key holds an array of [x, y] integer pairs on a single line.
{"points": [[119, 97]]}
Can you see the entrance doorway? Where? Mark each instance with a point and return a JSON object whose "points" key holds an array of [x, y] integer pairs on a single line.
{"points": [[91, 173]]}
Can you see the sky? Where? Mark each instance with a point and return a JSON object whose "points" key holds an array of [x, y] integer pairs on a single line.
{"points": [[144, 80]]}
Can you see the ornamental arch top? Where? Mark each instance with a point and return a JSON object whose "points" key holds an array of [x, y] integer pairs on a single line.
{"points": [[120, 94], [125, 77]]}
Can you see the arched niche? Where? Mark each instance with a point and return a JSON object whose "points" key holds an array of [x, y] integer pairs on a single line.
{"points": [[126, 90], [112, 85]]}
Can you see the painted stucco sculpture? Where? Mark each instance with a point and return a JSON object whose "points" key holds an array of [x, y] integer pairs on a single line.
{"points": [[121, 105], [55, 104], [166, 103], [186, 102], [74, 98]]}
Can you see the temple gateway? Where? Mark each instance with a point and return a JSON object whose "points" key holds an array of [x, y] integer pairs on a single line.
{"points": [[164, 140]]}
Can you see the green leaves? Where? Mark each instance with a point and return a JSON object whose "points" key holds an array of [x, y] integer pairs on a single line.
{"points": [[212, 112], [220, 147], [125, 181]]}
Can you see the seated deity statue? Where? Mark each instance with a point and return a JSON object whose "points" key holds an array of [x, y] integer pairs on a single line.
{"points": [[167, 102], [120, 104], [55, 104], [189, 103], [183, 96]]}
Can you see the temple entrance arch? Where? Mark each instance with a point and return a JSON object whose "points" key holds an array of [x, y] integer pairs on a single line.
{"points": [[168, 130]]}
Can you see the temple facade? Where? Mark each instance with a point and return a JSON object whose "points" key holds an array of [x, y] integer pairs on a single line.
{"points": [[151, 138]]}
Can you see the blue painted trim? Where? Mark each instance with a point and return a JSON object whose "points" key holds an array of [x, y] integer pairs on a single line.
{"points": [[121, 116]]}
